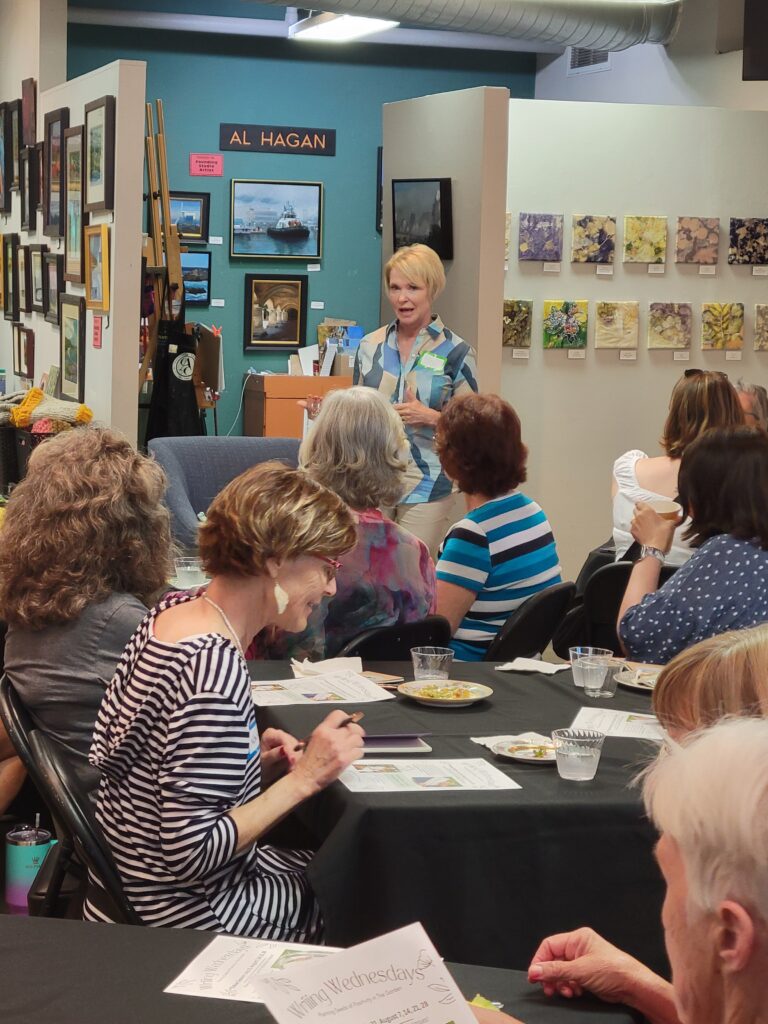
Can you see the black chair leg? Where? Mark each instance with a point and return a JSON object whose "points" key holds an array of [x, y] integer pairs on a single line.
{"points": [[60, 856]]}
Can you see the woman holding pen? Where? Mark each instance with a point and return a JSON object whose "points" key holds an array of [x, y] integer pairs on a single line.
{"points": [[182, 799]]}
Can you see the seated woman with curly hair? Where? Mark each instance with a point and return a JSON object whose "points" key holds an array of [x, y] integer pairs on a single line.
{"points": [[503, 550], [84, 548]]}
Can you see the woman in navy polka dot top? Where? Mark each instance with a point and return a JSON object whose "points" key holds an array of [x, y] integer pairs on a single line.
{"points": [[723, 487]]}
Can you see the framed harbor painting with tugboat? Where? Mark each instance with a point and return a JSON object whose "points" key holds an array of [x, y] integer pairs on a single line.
{"points": [[276, 219]]}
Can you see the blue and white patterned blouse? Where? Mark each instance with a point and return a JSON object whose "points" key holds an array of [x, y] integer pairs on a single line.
{"points": [[724, 585]]}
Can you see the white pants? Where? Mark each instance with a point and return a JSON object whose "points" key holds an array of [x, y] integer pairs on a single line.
{"points": [[429, 520]]}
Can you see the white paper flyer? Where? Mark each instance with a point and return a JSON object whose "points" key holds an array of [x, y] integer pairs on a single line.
{"points": [[378, 775], [627, 724], [343, 687]]}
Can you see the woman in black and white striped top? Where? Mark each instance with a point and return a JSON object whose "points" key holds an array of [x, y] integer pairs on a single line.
{"points": [[182, 763]]}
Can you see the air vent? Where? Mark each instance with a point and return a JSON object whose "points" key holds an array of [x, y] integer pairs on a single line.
{"points": [[583, 61]]}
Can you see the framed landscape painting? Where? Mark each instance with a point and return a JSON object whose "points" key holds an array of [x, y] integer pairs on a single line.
{"points": [[99, 177], [22, 278], [54, 284], [37, 282], [74, 216], [72, 348], [190, 214], [13, 141], [28, 181], [5, 161], [279, 219], [54, 177], [275, 312], [422, 212], [196, 274], [10, 278], [97, 267]]}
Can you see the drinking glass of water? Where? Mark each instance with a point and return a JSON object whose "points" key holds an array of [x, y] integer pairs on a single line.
{"points": [[431, 662], [585, 665], [577, 753], [189, 573]]}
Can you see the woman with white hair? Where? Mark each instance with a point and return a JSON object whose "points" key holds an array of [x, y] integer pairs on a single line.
{"points": [[709, 800], [357, 448]]}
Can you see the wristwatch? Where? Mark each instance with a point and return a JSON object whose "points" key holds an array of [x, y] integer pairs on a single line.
{"points": [[647, 550]]}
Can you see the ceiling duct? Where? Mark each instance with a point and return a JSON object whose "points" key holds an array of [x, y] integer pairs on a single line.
{"points": [[593, 24]]}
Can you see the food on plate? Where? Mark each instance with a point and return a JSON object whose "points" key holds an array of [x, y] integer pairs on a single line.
{"points": [[433, 692]]}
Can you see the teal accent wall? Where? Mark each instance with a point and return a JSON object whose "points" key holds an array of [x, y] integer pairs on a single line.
{"points": [[204, 80]]}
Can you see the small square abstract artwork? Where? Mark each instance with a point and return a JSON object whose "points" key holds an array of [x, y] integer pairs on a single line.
{"points": [[761, 327], [565, 324], [617, 324], [516, 330], [645, 239], [722, 326], [697, 241], [670, 325], [541, 237], [749, 240], [593, 239]]}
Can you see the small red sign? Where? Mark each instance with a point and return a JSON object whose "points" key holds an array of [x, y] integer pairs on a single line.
{"points": [[206, 165], [97, 324]]}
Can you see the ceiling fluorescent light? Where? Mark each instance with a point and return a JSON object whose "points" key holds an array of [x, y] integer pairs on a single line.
{"points": [[337, 28]]}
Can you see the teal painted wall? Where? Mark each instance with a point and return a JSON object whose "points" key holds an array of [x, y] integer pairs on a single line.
{"points": [[205, 80]]}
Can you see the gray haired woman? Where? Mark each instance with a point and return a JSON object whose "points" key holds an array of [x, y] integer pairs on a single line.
{"points": [[357, 448]]}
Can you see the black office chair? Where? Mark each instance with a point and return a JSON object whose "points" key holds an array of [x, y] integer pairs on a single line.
{"points": [[603, 595], [59, 882], [531, 627], [65, 792], [394, 643]]}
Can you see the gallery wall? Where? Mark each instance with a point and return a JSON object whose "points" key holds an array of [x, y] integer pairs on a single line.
{"points": [[604, 158], [205, 80]]}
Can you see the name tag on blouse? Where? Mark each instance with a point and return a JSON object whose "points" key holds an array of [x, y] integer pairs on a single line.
{"points": [[430, 361], [253, 742]]}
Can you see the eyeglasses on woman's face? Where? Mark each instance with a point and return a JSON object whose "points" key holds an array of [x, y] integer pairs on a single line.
{"points": [[330, 566]]}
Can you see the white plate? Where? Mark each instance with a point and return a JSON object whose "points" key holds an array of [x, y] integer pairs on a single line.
{"points": [[631, 681], [528, 753], [415, 692]]}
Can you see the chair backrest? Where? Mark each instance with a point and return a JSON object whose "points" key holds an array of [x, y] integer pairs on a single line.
{"points": [[394, 643], [72, 805], [199, 467], [17, 722], [530, 627], [603, 595]]}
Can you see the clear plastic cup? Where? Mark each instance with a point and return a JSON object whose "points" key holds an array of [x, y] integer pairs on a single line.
{"points": [[189, 573], [577, 753], [582, 672], [431, 662], [610, 682]]}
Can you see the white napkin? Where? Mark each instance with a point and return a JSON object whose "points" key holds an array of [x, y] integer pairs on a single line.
{"points": [[522, 737], [319, 668], [531, 665]]}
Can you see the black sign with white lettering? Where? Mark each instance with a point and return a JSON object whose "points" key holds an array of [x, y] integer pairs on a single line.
{"points": [[270, 138]]}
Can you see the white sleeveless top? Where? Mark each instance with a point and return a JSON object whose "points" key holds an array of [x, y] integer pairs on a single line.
{"points": [[629, 492]]}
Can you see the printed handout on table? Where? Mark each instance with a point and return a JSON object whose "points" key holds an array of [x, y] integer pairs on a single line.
{"points": [[231, 967], [433, 775], [330, 688], [628, 724]]}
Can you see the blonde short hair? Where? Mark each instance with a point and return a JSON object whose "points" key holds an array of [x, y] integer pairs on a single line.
{"points": [[723, 675], [272, 511], [420, 265], [358, 448], [86, 521]]}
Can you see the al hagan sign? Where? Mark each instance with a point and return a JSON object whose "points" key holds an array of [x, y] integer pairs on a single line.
{"points": [[270, 138]]}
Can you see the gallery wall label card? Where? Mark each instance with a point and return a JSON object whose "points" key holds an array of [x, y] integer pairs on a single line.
{"points": [[604, 270], [681, 357], [759, 271], [656, 268], [206, 165], [317, 305], [732, 356], [397, 977], [706, 271], [215, 240], [576, 353], [628, 355], [551, 268], [312, 266], [217, 302], [521, 353], [278, 138]]}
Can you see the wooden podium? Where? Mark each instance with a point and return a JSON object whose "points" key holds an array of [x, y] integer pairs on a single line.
{"points": [[269, 402]]}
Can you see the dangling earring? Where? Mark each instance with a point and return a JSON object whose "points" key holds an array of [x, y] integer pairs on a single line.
{"points": [[281, 598]]}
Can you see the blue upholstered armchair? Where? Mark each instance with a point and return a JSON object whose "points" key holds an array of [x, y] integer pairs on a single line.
{"points": [[199, 467]]}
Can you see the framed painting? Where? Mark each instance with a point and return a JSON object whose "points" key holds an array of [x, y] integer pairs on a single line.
{"points": [[10, 278], [278, 219], [16, 341], [540, 237], [72, 347], [53, 269], [190, 214], [99, 177], [28, 112], [13, 141], [37, 281], [196, 274], [23, 352], [54, 178], [5, 160], [73, 212], [2, 273], [422, 212], [40, 150], [97, 267], [380, 189], [22, 278], [28, 189], [275, 312]]}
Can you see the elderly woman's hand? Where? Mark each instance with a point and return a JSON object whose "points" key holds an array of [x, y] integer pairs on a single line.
{"points": [[651, 529], [414, 413], [278, 746], [332, 747]]}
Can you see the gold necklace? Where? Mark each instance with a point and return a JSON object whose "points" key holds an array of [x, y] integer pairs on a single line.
{"points": [[227, 623]]}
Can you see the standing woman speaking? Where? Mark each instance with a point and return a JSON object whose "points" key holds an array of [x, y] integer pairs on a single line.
{"points": [[418, 365]]}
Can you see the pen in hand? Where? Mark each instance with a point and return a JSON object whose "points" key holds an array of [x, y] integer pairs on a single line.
{"points": [[352, 719]]}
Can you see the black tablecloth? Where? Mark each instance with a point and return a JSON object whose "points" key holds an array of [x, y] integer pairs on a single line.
{"points": [[69, 972], [489, 874]]}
